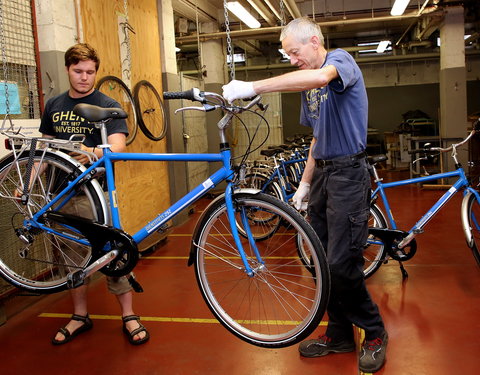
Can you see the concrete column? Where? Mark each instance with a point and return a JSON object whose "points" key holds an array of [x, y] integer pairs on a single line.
{"points": [[213, 59], [171, 82], [453, 91], [57, 31]]}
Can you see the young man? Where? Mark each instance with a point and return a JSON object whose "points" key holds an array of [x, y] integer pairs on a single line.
{"points": [[58, 121], [336, 181]]}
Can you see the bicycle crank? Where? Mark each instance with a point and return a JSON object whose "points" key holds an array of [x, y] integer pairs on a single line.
{"points": [[391, 238], [101, 238]]}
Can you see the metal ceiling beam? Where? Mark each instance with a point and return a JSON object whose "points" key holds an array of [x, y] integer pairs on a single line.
{"points": [[191, 8], [263, 11], [292, 8]]}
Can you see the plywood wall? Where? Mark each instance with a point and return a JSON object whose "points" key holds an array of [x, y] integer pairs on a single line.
{"points": [[143, 187]]}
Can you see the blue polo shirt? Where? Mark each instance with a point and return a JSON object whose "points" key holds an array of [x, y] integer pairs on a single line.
{"points": [[337, 113]]}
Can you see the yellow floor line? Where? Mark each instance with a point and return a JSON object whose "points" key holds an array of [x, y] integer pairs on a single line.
{"points": [[221, 234], [168, 319], [232, 257]]}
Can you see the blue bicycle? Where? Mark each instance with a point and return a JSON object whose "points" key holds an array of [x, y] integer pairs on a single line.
{"points": [[257, 287], [280, 174], [387, 241]]}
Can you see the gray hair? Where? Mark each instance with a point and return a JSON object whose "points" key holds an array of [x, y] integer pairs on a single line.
{"points": [[303, 29]]}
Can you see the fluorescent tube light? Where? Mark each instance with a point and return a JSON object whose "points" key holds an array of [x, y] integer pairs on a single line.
{"points": [[236, 8], [237, 57], [382, 46], [399, 7], [284, 54]]}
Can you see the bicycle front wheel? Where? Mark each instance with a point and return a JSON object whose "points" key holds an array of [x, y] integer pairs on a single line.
{"points": [[119, 91], [31, 258], [284, 299], [374, 251], [151, 112], [472, 224]]}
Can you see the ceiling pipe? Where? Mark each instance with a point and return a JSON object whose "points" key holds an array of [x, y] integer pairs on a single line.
{"points": [[360, 60], [277, 29]]}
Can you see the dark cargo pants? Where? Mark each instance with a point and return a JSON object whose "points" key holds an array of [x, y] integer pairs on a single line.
{"points": [[339, 209]]}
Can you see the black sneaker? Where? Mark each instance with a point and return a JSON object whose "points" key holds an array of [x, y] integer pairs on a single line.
{"points": [[323, 346], [372, 355]]}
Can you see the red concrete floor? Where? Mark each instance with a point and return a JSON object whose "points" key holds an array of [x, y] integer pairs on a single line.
{"points": [[432, 318]]}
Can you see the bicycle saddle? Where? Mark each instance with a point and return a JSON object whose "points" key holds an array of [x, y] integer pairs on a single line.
{"points": [[271, 152], [94, 113]]}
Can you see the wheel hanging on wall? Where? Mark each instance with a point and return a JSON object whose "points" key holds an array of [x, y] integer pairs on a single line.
{"points": [[151, 111], [116, 89]]}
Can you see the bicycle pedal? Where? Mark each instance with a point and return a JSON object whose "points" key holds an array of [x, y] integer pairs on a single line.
{"points": [[401, 255], [75, 279]]}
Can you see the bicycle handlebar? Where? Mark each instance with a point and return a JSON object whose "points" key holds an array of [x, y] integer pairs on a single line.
{"points": [[206, 97]]}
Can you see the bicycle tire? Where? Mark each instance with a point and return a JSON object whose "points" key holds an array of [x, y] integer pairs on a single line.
{"points": [[374, 252], [284, 301], [42, 266], [116, 89], [472, 224], [151, 111]]}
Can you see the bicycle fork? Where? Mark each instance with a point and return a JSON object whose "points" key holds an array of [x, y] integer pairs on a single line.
{"points": [[236, 236]]}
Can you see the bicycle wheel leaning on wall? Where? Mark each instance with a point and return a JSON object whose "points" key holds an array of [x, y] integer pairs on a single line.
{"points": [[151, 111], [116, 89]]}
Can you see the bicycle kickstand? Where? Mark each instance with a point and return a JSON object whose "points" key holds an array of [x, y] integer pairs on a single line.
{"points": [[403, 270]]}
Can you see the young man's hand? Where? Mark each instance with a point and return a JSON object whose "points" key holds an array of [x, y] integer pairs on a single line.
{"points": [[82, 158]]}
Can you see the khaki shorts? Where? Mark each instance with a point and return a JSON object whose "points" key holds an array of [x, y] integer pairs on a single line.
{"points": [[80, 206]]}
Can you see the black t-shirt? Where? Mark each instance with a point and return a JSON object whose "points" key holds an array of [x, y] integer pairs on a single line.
{"points": [[59, 121]]}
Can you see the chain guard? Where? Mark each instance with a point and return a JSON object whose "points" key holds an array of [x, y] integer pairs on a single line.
{"points": [[99, 236]]}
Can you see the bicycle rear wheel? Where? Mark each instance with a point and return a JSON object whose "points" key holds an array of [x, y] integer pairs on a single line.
{"points": [[374, 251], [30, 258], [117, 90], [472, 224], [285, 299], [151, 112]]}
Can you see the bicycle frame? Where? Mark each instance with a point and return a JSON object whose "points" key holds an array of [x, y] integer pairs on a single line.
{"points": [[461, 182], [223, 173]]}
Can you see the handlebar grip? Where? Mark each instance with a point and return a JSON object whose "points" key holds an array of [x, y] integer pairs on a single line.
{"points": [[189, 94]]}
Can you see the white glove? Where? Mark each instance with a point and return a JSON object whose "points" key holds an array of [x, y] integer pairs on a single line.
{"points": [[301, 195], [238, 90]]}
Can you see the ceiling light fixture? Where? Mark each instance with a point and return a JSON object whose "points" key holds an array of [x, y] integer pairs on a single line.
{"points": [[284, 54], [236, 8], [382, 46], [399, 7]]}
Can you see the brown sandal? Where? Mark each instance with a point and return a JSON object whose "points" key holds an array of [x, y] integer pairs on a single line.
{"points": [[69, 336], [131, 335]]}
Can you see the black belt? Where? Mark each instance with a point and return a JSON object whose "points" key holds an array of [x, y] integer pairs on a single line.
{"points": [[342, 161]]}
